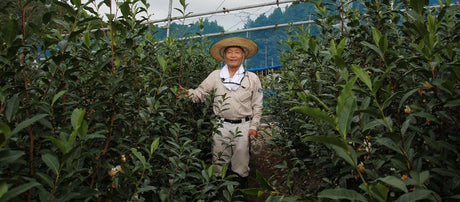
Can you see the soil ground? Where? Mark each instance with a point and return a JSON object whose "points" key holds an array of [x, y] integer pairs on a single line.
{"points": [[264, 161]]}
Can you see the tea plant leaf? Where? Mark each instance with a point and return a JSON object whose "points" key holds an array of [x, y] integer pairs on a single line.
{"points": [[45, 179], [373, 124], [340, 193], [346, 106], [18, 190], [452, 103], [347, 154], [154, 145], [28, 122], [362, 75], [262, 181], [315, 113], [52, 162], [139, 156], [59, 144], [224, 171], [420, 177], [346, 115], [406, 96], [12, 107], [8, 156], [341, 148], [145, 189], [57, 96], [379, 191], [77, 117], [416, 195], [6, 131], [373, 47], [389, 143], [406, 124], [3, 188], [395, 182], [253, 191]]}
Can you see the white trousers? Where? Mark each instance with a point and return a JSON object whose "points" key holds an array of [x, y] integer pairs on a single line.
{"points": [[232, 146]]}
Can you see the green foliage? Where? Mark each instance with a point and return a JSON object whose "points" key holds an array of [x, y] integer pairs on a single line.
{"points": [[378, 88], [92, 114]]}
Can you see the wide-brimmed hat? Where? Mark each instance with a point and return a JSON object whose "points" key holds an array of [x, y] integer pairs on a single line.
{"points": [[248, 46]]}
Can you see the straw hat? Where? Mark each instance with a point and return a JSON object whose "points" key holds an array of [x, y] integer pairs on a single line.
{"points": [[248, 46]]}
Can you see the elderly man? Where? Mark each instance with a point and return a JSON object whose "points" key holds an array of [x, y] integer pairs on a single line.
{"points": [[237, 105]]}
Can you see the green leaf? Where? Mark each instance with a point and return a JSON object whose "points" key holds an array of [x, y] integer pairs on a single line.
{"points": [[253, 191], [395, 182], [341, 148], [45, 179], [8, 156], [362, 75], [77, 3], [379, 191], [452, 103], [211, 170], [52, 162], [57, 96], [163, 63], [376, 35], [348, 154], [87, 40], [154, 145], [346, 106], [407, 95], [59, 144], [406, 124], [11, 32], [373, 47], [125, 10], [262, 181], [12, 107], [3, 188], [389, 143], [421, 177], [416, 195], [27, 123], [373, 124], [6, 131], [346, 116], [340, 193], [145, 189], [315, 113], [18, 190], [139, 156], [224, 170], [77, 117]]}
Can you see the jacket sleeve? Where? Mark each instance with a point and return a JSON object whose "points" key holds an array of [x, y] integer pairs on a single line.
{"points": [[208, 85], [257, 102]]}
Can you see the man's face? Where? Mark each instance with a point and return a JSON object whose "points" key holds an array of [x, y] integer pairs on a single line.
{"points": [[233, 57]]}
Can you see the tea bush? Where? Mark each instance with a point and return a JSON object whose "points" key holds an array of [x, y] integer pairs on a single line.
{"points": [[89, 108], [380, 89]]}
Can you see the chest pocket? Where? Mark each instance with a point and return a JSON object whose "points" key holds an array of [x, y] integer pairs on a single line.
{"points": [[245, 96], [244, 92]]}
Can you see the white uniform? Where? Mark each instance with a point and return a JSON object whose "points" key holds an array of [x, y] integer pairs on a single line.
{"points": [[244, 104]]}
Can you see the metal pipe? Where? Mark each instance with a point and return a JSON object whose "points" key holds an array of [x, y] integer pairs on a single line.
{"points": [[169, 18], [252, 29], [220, 11]]}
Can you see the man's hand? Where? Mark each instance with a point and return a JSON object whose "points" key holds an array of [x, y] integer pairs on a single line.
{"points": [[182, 92], [252, 134]]}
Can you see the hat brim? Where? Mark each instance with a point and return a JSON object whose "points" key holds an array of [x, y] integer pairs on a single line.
{"points": [[248, 46]]}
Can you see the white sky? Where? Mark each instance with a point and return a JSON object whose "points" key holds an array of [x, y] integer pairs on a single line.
{"points": [[234, 20]]}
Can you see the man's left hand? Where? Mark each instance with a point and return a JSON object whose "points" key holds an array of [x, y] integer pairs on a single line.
{"points": [[252, 134]]}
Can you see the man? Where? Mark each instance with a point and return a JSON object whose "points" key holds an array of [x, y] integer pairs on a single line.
{"points": [[237, 104]]}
